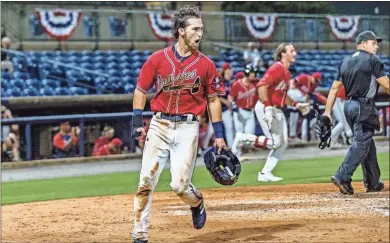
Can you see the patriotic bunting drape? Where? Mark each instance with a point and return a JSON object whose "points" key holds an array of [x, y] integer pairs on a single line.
{"points": [[343, 27], [261, 26], [161, 25], [59, 24]]}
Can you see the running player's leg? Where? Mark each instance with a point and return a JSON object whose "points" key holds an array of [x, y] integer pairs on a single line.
{"points": [[293, 124], [279, 125], [155, 155]]}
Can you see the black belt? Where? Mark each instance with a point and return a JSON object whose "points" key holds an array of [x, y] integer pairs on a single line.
{"points": [[361, 98], [246, 109], [175, 118]]}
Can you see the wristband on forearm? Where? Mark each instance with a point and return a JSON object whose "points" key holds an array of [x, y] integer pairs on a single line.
{"points": [[218, 129], [137, 119]]}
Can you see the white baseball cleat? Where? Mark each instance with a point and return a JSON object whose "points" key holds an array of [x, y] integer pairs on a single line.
{"points": [[268, 177]]}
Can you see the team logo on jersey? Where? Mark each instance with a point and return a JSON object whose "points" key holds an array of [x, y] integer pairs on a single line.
{"points": [[247, 94], [217, 82], [193, 87], [281, 86]]}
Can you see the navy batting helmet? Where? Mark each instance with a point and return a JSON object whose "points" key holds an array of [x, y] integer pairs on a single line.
{"points": [[225, 167], [250, 69]]}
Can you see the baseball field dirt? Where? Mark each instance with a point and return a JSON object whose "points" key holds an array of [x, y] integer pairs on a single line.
{"points": [[291, 213]]}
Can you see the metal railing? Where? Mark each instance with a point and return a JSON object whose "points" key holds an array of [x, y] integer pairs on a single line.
{"points": [[219, 26]]}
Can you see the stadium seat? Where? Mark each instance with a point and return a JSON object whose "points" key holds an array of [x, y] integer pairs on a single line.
{"points": [[125, 65], [30, 92], [129, 88], [34, 83], [17, 83], [124, 59], [61, 91], [47, 91], [99, 65], [21, 75], [126, 73], [112, 58], [4, 84], [78, 91], [101, 59], [112, 65], [6, 75], [51, 83], [114, 73], [14, 92]]}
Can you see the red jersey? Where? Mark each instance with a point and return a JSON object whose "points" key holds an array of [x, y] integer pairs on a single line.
{"points": [[59, 140], [304, 83], [182, 87], [100, 142], [341, 94], [103, 150], [277, 77], [244, 96]]}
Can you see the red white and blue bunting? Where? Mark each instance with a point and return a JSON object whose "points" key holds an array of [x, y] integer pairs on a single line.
{"points": [[59, 24], [261, 26], [161, 25], [343, 27]]}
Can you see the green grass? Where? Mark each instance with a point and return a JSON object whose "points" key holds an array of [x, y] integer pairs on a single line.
{"points": [[293, 171]]}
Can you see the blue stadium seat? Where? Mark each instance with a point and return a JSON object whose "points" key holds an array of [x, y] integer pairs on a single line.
{"points": [[126, 72], [100, 80], [112, 58], [74, 59], [129, 88], [51, 83], [14, 92], [18, 83], [135, 58], [99, 65], [61, 91], [4, 84], [86, 59], [100, 59], [112, 65], [21, 75], [135, 52], [30, 92], [114, 73], [6, 75], [35, 83], [78, 91], [3, 93], [125, 65], [47, 91], [127, 80], [124, 59], [147, 52], [114, 80], [136, 65]]}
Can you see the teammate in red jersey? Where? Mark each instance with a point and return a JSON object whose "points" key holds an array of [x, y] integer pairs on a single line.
{"points": [[244, 94], [187, 83], [272, 90], [302, 88]]}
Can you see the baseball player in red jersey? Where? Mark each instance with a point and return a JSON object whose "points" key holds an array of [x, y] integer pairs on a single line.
{"points": [[342, 127], [302, 89], [243, 94], [187, 83], [272, 90]]}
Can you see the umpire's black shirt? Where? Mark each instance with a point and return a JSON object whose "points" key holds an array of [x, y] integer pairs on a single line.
{"points": [[359, 72]]}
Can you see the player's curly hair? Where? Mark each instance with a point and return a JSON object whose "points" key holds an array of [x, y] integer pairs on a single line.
{"points": [[279, 50], [180, 17]]}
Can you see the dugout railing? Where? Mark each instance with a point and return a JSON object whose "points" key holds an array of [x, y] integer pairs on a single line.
{"points": [[123, 117]]}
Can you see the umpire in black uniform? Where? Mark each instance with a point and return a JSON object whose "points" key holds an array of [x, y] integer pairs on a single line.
{"points": [[360, 73]]}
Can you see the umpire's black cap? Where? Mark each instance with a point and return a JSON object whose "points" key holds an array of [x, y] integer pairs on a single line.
{"points": [[367, 35]]}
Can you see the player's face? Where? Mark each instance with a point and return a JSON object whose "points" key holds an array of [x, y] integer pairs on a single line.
{"points": [[371, 46], [228, 74], [290, 53], [252, 76], [193, 33]]}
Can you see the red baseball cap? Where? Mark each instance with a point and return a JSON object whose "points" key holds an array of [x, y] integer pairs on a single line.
{"points": [[317, 76], [239, 75], [226, 65], [116, 142]]}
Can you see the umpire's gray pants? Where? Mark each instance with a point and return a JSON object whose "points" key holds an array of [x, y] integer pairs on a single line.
{"points": [[363, 150]]}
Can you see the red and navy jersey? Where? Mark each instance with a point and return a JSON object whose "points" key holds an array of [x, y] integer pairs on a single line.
{"points": [[277, 78], [303, 83], [182, 85], [244, 96], [341, 94]]}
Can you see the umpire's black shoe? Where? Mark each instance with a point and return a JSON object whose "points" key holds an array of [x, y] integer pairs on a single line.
{"points": [[344, 186], [379, 187]]}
